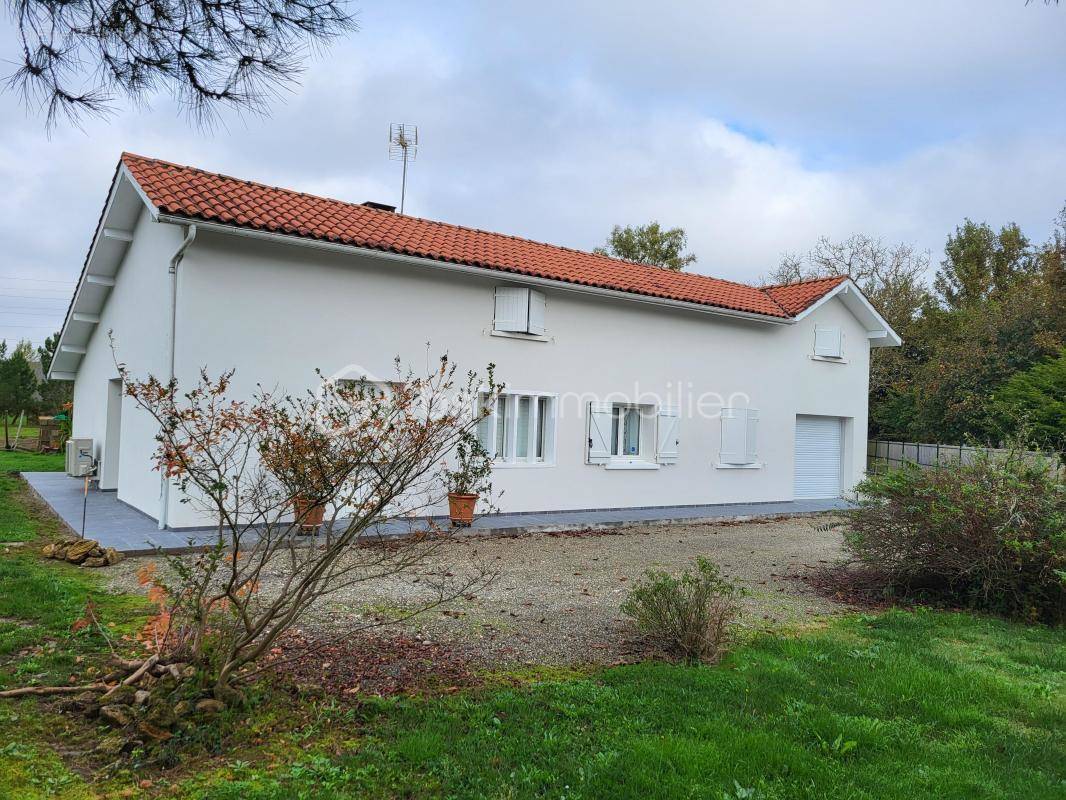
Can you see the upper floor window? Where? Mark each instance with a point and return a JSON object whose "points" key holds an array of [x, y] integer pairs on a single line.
{"points": [[520, 428], [519, 310], [828, 342]]}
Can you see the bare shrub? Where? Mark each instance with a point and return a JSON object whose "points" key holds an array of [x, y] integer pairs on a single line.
{"points": [[687, 615], [351, 453]]}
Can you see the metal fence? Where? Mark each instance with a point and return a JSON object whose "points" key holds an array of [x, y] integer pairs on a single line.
{"points": [[882, 455]]}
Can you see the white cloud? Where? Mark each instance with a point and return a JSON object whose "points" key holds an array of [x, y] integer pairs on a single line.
{"points": [[757, 131]]}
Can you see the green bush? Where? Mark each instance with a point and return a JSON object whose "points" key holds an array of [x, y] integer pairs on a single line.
{"points": [[988, 535], [687, 615]]}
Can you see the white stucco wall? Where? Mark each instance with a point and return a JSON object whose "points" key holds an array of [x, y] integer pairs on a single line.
{"points": [[137, 311], [277, 312]]}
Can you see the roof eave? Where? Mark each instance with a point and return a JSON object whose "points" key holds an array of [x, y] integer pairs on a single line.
{"points": [[878, 331], [423, 262], [111, 240]]}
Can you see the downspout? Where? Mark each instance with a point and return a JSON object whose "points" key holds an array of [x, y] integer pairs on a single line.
{"points": [[175, 260]]}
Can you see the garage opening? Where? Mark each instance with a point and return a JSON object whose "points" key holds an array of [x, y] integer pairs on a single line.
{"points": [[819, 449]]}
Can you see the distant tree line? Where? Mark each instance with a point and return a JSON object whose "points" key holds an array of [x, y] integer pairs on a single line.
{"points": [[24, 386], [983, 357]]}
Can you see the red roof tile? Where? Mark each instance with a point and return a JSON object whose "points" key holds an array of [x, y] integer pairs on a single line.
{"points": [[797, 297], [189, 192]]}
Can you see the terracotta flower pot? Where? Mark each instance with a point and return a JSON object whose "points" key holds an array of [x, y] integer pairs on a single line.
{"points": [[310, 516], [461, 509]]}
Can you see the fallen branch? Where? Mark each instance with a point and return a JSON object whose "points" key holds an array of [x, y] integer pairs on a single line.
{"points": [[46, 690], [136, 676]]}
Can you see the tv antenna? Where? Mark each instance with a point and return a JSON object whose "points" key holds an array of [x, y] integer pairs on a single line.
{"points": [[403, 146]]}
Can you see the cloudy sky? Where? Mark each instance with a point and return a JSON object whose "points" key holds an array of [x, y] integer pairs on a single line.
{"points": [[758, 127]]}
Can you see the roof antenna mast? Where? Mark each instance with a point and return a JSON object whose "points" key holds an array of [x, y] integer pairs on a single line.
{"points": [[403, 146]]}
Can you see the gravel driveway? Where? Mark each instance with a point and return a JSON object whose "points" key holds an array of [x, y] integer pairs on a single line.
{"points": [[554, 598]]}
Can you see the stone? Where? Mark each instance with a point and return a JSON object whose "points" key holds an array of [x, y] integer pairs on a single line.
{"points": [[182, 707], [118, 716], [48, 550], [153, 732], [81, 550], [113, 556], [94, 561], [140, 697], [209, 706], [60, 552]]}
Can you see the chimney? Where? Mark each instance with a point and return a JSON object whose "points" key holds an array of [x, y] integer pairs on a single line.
{"points": [[379, 206]]}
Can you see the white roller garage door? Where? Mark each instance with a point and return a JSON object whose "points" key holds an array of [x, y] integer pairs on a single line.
{"points": [[818, 441]]}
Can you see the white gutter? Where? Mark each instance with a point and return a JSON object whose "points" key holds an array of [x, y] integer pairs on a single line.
{"points": [[429, 263], [175, 260]]}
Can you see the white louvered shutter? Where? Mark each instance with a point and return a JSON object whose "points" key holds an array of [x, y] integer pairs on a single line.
{"points": [[599, 432], [668, 435], [827, 342], [734, 433], [751, 439], [537, 307], [512, 309]]}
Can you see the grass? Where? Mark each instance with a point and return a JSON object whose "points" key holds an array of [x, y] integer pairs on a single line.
{"points": [[904, 704], [15, 522]]}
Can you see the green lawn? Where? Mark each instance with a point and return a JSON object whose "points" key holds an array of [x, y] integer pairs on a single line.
{"points": [[15, 522], [904, 704]]}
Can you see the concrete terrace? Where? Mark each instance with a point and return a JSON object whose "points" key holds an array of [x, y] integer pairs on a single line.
{"points": [[115, 524]]}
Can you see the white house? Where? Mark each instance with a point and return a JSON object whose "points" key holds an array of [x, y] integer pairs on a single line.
{"points": [[628, 385]]}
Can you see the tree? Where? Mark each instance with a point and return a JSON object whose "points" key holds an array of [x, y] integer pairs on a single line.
{"points": [[892, 277], [53, 394], [980, 263], [75, 56], [18, 384], [648, 244], [1034, 403]]}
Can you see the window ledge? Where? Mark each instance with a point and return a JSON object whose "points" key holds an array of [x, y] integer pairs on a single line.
{"points": [[829, 359], [635, 464], [528, 337], [522, 464], [755, 465]]}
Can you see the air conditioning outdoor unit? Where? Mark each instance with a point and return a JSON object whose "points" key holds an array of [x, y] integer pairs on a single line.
{"points": [[79, 457]]}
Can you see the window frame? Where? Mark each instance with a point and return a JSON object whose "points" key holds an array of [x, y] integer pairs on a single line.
{"points": [[647, 433], [536, 434]]}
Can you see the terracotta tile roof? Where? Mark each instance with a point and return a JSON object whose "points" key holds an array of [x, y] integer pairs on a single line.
{"points": [[796, 297], [196, 194]]}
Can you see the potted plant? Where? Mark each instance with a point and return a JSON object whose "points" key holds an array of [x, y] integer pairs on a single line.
{"points": [[468, 481], [301, 463]]}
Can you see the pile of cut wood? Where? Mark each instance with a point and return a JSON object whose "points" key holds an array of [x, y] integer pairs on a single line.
{"points": [[86, 552]]}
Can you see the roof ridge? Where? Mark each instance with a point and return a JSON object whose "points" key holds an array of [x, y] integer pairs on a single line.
{"points": [[769, 286]]}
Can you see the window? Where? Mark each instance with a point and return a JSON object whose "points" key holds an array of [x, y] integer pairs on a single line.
{"points": [[828, 342], [519, 310], [631, 436], [520, 429], [739, 438]]}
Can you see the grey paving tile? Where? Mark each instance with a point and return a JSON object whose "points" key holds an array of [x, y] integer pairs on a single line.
{"points": [[115, 524]]}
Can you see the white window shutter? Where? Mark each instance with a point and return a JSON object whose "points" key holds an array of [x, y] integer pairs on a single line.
{"points": [[512, 309], [599, 433], [827, 342], [668, 435], [751, 440], [536, 312], [733, 436]]}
